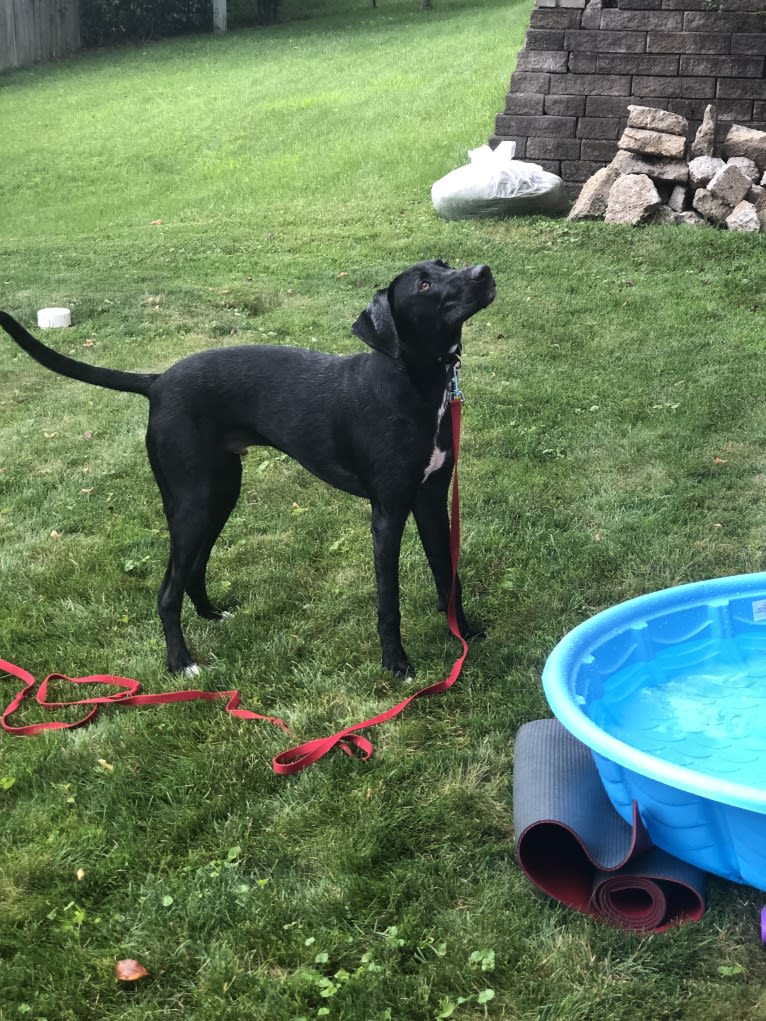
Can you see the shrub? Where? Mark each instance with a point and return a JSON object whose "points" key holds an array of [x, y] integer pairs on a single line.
{"points": [[253, 12], [109, 21]]}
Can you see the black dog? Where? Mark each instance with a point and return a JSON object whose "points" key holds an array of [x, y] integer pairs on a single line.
{"points": [[369, 424]]}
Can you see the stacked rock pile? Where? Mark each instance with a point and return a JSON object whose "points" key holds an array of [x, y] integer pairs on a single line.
{"points": [[657, 176]]}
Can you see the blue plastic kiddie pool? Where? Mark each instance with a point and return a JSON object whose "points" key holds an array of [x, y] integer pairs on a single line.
{"points": [[669, 692]]}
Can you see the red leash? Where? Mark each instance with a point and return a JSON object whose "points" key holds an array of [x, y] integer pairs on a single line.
{"points": [[295, 759]]}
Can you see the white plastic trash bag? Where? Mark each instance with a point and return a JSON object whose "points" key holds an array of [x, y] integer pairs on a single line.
{"points": [[495, 184]]}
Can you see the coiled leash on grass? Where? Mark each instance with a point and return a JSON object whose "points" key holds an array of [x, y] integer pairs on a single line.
{"points": [[288, 762], [127, 694]]}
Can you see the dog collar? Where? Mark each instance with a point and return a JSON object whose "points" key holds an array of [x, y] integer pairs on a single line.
{"points": [[452, 358]]}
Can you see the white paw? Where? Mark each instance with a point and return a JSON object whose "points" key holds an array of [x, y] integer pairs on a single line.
{"points": [[191, 671]]}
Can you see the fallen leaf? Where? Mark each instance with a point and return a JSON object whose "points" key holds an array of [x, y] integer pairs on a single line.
{"points": [[106, 765], [87, 436], [89, 343], [80, 874], [156, 223], [50, 436], [130, 970], [719, 460], [55, 534]]}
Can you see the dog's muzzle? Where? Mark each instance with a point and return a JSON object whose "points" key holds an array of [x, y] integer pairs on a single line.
{"points": [[481, 278]]}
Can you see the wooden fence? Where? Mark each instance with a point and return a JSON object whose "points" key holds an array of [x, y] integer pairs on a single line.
{"points": [[33, 30]]}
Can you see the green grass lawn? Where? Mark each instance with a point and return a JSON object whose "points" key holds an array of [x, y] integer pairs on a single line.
{"points": [[259, 187]]}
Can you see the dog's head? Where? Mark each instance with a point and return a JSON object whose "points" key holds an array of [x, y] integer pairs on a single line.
{"points": [[419, 316]]}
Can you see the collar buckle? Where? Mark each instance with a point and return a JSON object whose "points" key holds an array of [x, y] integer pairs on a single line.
{"points": [[456, 394]]}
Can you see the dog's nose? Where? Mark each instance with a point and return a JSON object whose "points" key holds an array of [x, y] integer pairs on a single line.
{"points": [[482, 274]]}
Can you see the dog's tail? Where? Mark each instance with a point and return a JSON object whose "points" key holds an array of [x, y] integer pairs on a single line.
{"points": [[112, 379]]}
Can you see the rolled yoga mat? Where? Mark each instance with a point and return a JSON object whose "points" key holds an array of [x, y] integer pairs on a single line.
{"points": [[573, 845]]}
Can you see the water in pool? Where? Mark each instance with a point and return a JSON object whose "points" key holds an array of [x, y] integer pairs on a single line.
{"points": [[700, 704]]}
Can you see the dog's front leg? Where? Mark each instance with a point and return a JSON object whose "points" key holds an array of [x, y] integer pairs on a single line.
{"points": [[387, 529], [432, 519]]}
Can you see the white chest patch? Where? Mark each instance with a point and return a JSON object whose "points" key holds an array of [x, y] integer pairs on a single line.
{"points": [[437, 456]]}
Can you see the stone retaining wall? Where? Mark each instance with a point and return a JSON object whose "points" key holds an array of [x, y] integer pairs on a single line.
{"points": [[585, 61]]}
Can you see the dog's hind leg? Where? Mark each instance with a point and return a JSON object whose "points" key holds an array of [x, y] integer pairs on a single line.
{"points": [[169, 600], [225, 493], [432, 519], [199, 488], [183, 550]]}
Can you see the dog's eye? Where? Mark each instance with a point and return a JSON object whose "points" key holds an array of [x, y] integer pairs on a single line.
{"points": [[425, 285]]}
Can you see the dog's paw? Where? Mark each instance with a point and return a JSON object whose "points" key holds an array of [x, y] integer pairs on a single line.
{"points": [[191, 671], [399, 666], [212, 613], [473, 632]]}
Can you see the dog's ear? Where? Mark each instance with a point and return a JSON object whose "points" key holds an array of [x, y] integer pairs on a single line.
{"points": [[376, 326]]}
